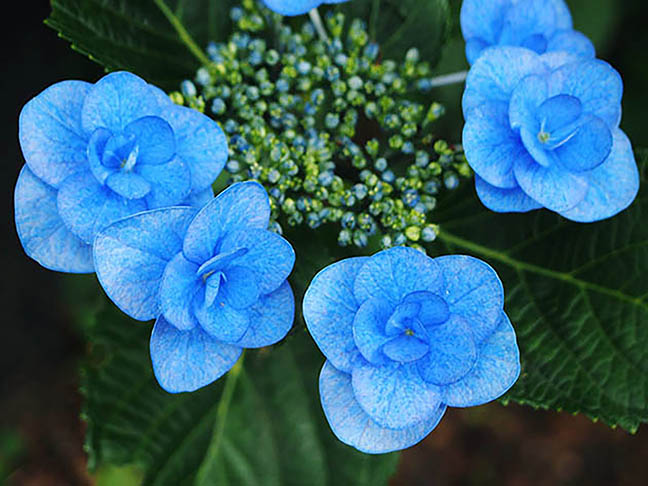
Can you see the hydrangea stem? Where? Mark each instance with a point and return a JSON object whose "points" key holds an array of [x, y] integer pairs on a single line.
{"points": [[183, 34], [319, 25], [447, 79]]}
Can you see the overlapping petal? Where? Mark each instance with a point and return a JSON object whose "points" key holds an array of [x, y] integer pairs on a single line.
{"points": [[512, 200], [178, 288], [271, 317]]}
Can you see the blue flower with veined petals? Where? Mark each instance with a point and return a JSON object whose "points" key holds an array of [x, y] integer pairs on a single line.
{"points": [[406, 336], [214, 279], [296, 7], [543, 131], [96, 153], [539, 25]]}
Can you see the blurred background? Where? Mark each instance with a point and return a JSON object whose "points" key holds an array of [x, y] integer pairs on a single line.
{"points": [[41, 435]]}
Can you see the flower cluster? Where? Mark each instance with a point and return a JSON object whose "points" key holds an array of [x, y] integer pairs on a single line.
{"points": [[296, 7], [405, 336], [539, 25], [333, 133], [542, 130], [214, 279], [98, 152]]}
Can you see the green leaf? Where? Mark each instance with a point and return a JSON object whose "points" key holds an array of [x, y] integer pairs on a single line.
{"points": [[261, 424], [398, 25], [160, 40], [577, 295]]}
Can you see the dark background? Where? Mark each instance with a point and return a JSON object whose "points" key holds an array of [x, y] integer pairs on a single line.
{"points": [[40, 432]]}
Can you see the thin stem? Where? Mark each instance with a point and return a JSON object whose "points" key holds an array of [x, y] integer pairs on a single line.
{"points": [[447, 79], [184, 35], [319, 25]]}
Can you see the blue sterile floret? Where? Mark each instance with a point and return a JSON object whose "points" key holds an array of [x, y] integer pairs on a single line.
{"points": [[543, 131], [296, 7], [539, 25], [214, 279], [406, 336], [98, 152]]}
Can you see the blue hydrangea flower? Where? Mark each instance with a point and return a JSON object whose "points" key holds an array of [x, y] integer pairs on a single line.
{"points": [[296, 7], [214, 279], [98, 152], [539, 25], [543, 131], [405, 336]]}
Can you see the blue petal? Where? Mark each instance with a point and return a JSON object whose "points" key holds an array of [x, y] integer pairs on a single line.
{"points": [[553, 187], [240, 288], [170, 183], [329, 308], [497, 368], [573, 42], [504, 200], [395, 396], [293, 7], [478, 21], [268, 256], [51, 137], [178, 287], [394, 273], [612, 186], [432, 308], [116, 100], [271, 318], [453, 352], [369, 329], [128, 184], [160, 96], [221, 320], [87, 207], [405, 349], [559, 111], [588, 147], [130, 257], [155, 140], [242, 205], [526, 98], [96, 150], [563, 18], [474, 292], [200, 143], [491, 147], [474, 48], [595, 83], [184, 361], [354, 427], [199, 199], [526, 18], [41, 230], [495, 75]]}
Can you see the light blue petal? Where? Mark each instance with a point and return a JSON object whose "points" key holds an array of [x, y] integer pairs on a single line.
{"points": [[497, 368], [553, 187], [474, 48], [491, 147], [563, 18], [526, 18], [526, 98], [453, 352], [354, 427], [95, 152], [155, 140], [240, 288], [41, 230], [269, 256], [432, 308], [293, 7], [170, 183], [128, 184], [504, 200], [270, 318], [474, 292], [178, 288], [539, 151], [116, 100], [395, 396], [130, 257], [329, 308], [612, 186], [87, 207], [392, 274], [242, 205], [199, 199], [200, 143], [595, 83], [554, 60], [573, 42], [478, 21], [558, 112], [221, 320], [495, 75], [184, 361], [588, 147], [51, 137], [405, 349], [369, 329]]}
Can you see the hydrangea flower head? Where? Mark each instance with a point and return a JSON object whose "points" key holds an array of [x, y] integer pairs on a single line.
{"points": [[99, 152], [214, 279], [405, 336], [539, 25], [296, 7], [543, 131]]}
